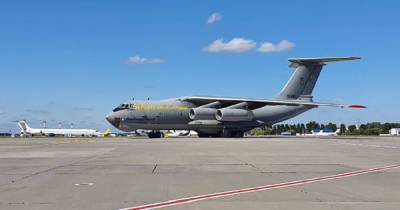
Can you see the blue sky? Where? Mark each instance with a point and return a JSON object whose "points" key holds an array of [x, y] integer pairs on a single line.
{"points": [[73, 61]]}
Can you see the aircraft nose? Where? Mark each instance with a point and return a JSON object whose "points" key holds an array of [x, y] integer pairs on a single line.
{"points": [[109, 117], [112, 119]]}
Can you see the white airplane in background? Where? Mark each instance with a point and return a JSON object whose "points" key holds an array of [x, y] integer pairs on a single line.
{"points": [[177, 133], [26, 130], [323, 132]]}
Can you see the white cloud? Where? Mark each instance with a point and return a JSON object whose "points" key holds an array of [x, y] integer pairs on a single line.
{"points": [[267, 47], [37, 111], [236, 45], [141, 60], [214, 17]]}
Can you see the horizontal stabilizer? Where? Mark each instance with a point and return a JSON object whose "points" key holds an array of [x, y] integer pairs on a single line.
{"points": [[322, 60]]}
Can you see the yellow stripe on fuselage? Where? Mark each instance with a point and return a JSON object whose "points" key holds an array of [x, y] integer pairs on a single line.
{"points": [[159, 107]]}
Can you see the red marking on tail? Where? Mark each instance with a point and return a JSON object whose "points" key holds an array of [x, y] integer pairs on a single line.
{"points": [[356, 106]]}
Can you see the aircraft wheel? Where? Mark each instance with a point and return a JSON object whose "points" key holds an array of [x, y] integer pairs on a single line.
{"points": [[238, 134], [207, 135], [218, 135], [202, 135], [232, 134], [153, 135], [226, 133]]}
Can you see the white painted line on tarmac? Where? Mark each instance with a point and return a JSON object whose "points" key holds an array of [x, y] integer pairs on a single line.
{"points": [[368, 145], [191, 199], [85, 184]]}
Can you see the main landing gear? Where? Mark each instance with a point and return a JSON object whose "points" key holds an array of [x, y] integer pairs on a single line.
{"points": [[207, 135], [232, 134], [155, 134], [223, 134]]}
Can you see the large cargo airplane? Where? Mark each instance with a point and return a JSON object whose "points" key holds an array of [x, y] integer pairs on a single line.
{"points": [[227, 116], [26, 130]]}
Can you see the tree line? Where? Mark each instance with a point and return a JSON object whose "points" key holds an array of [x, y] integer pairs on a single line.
{"points": [[373, 128]]}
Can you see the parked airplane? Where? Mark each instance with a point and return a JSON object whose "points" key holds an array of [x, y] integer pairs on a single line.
{"points": [[227, 116], [174, 133], [26, 130], [323, 132]]}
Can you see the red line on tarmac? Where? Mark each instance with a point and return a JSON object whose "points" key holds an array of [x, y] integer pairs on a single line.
{"points": [[181, 201]]}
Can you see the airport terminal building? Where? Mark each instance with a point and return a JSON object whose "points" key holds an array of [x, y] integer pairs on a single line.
{"points": [[394, 132]]}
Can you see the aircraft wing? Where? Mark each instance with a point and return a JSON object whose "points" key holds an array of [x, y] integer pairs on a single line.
{"points": [[257, 103]]}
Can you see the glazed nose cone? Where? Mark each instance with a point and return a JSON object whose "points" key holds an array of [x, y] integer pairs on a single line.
{"points": [[112, 120]]}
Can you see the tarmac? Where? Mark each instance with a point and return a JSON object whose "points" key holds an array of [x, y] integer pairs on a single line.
{"points": [[192, 173]]}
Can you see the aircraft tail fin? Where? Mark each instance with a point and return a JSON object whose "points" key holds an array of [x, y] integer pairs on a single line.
{"points": [[23, 125], [106, 132], [305, 76], [337, 131]]}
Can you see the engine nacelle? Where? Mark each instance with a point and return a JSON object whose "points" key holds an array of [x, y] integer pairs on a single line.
{"points": [[234, 115], [202, 113]]}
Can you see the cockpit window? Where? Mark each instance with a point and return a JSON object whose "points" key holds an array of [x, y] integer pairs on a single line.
{"points": [[124, 106], [121, 107]]}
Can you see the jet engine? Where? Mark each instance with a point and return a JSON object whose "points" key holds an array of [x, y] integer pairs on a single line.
{"points": [[202, 113], [233, 115]]}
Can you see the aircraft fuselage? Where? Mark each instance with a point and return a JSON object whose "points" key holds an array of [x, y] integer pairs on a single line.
{"points": [[173, 114]]}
